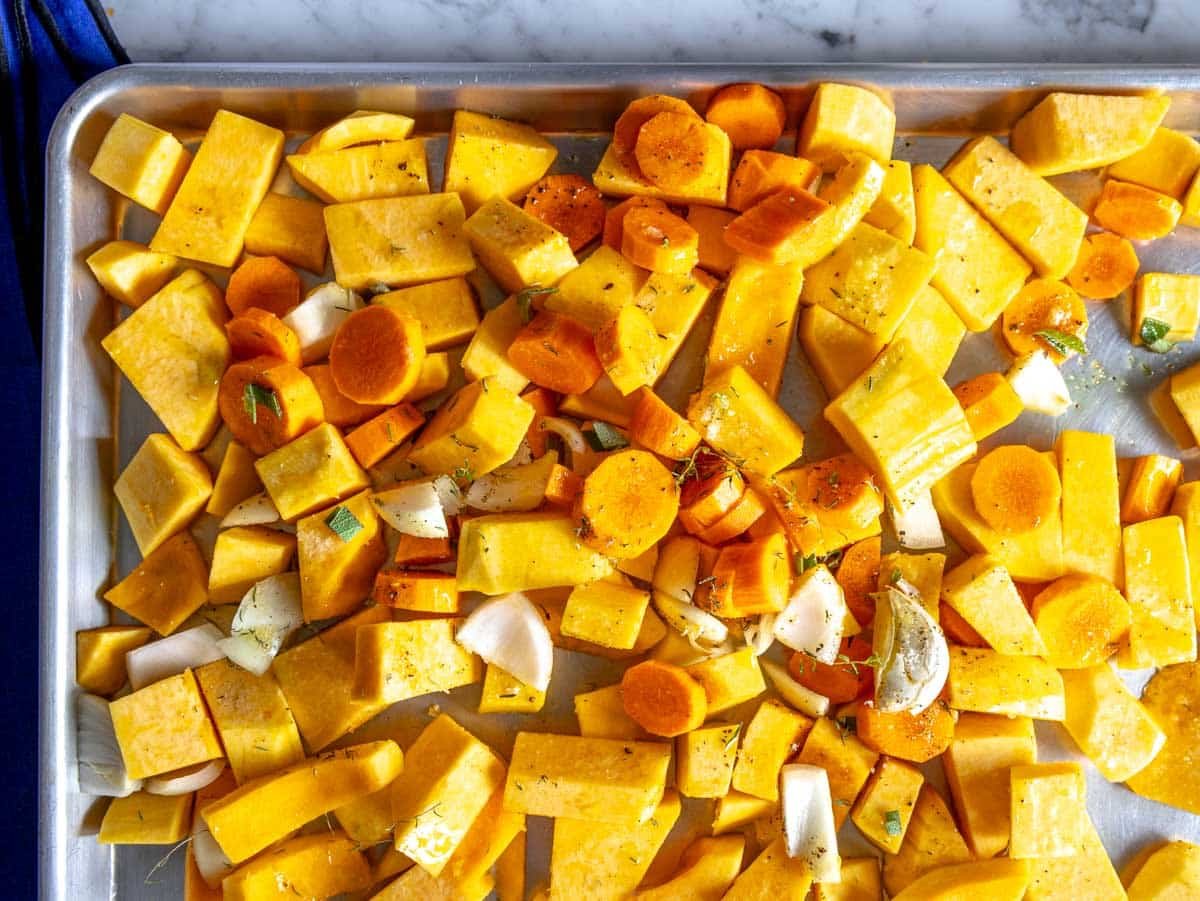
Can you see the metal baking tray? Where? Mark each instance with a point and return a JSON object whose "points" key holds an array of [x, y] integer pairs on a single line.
{"points": [[92, 426]]}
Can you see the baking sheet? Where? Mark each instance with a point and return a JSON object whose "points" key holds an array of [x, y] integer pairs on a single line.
{"points": [[92, 425]]}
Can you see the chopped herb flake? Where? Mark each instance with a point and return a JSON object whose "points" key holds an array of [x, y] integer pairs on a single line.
{"points": [[525, 300], [605, 437], [1062, 342], [891, 822], [343, 523], [255, 396], [1154, 335]]}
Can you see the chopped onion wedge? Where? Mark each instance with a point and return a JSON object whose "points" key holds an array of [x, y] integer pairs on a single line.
{"points": [[101, 767], [509, 632], [513, 489], [808, 825], [414, 508], [760, 633], [677, 568], [915, 661], [172, 655], [318, 316], [689, 620], [815, 616], [803, 699], [1039, 384], [267, 615], [918, 527], [210, 859], [187, 780], [450, 494], [258, 510], [568, 431]]}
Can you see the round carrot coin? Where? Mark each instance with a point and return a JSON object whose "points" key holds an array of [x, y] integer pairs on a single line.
{"points": [[376, 355], [663, 699], [1015, 488]]}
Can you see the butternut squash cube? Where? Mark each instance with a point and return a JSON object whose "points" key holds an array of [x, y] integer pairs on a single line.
{"points": [[337, 572], [614, 178], [493, 832], [166, 588], [245, 555], [448, 777], [1184, 390], [930, 842], [1171, 298], [903, 422], [1172, 871], [474, 432], [729, 679], [1091, 524], [264, 810], [1149, 487], [445, 309], [716, 256], [1158, 586], [933, 329], [705, 758], [1108, 723], [398, 240], [164, 727], [517, 249], [146, 819], [161, 490], [838, 351], [977, 762], [597, 289], [252, 718], [629, 349], [985, 681], [310, 472], [130, 272], [989, 402], [389, 169], [1186, 505], [601, 714], [885, 806], [597, 779], [487, 156], [173, 350], [674, 303], [773, 875], [236, 480], [707, 869], [894, 209], [486, 356], [844, 119], [981, 591], [397, 661], [1167, 163], [861, 881], [1030, 212], [231, 174], [605, 613], [996, 880], [736, 415], [141, 162], [1068, 132], [760, 173], [1088, 874], [847, 761], [100, 656], [736, 810], [1049, 810], [504, 693], [771, 738], [1169, 415], [320, 865], [291, 228], [519, 551]]}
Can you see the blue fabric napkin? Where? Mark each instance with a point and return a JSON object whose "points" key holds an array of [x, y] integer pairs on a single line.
{"points": [[47, 49]]}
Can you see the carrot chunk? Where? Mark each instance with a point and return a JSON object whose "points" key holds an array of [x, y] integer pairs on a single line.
{"points": [[266, 402], [420, 591], [751, 114], [627, 504], [749, 509], [414, 551], [749, 578], [655, 426], [764, 231], [1045, 315], [672, 150], [556, 352], [260, 333], [663, 699], [382, 434], [569, 204], [840, 682], [1135, 212], [614, 219], [761, 173], [264, 282], [711, 489], [916, 737], [858, 574], [1015, 488], [1106, 265], [658, 240], [376, 355]]}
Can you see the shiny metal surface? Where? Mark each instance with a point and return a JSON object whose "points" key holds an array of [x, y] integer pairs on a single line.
{"points": [[91, 426]]}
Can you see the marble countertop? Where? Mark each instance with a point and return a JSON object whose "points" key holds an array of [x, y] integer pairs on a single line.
{"points": [[1160, 31]]}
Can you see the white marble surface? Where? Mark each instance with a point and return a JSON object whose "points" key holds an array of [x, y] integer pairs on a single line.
{"points": [[1162, 31]]}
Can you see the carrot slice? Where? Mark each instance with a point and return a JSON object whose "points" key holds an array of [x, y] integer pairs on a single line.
{"points": [[916, 737], [637, 114], [1106, 265], [710, 490], [627, 504], [544, 403], [1015, 488], [655, 426], [614, 219], [569, 204], [745, 513], [1042, 313], [672, 150], [414, 551], [751, 114], [658, 240], [264, 282], [1133, 211], [259, 333], [749, 578], [858, 574], [376, 355], [1082, 619], [556, 352], [378, 437], [266, 402], [840, 682], [340, 410], [663, 699]]}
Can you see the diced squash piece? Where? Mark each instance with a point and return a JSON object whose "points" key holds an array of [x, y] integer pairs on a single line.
{"points": [[167, 587], [397, 661], [603, 401], [310, 866], [100, 656], [339, 410], [736, 810], [310, 472], [236, 480], [861, 881], [844, 757], [1030, 212], [657, 427], [486, 356], [838, 351], [1172, 871], [445, 309], [729, 679], [398, 240], [1171, 777], [595, 292], [475, 431], [760, 173], [1149, 487], [1088, 874], [487, 156], [337, 568], [894, 209], [844, 119], [141, 162], [933, 329], [773, 875], [164, 727], [389, 169], [996, 880], [770, 739], [1068, 132], [173, 350], [1169, 416], [982, 592], [161, 490], [419, 591], [885, 806], [601, 714], [1169, 298], [598, 779], [674, 303], [707, 869], [617, 178], [504, 693], [1184, 391], [1049, 810], [828, 504], [629, 349], [705, 758], [771, 230], [145, 819], [1091, 525], [290, 228], [492, 831], [130, 272], [1186, 506], [1167, 163], [985, 681], [1159, 590], [1191, 204], [1108, 723], [605, 613], [245, 555], [516, 552], [517, 249], [931, 841], [989, 403]]}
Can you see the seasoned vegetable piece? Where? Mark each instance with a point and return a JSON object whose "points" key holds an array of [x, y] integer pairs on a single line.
{"points": [[997, 880], [397, 661], [145, 819], [989, 403], [748, 578], [487, 156], [885, 806], [1107, 265], [1046, 315], [1091, 525], [671, 148], [761, 173], [259, 333], [846, 759], [1067, 132], [474, 432], [388, 169], [337, 566], [1133, 211], [751, 114], [931, 841], [1171, 777], [917, 737], [382, 434], [628, 503], [1158, 587], [1109, 724], [290, 228], [521, 551], [569, 204], [773, 230], [310, 472], [1168, 163], [164, 726], [1166, 309], [516, 249], [1172, 871], [656, 239], [167, 587], [360, 127], [768, 741], [1082, 619], [705, 759], [617, 174], [376, 355], [1049, 810], [161, 490], [445, 310], [557, 353], [245, 555], [311, 866], [1149, 487], [130, 272], [828, 504], [141, 162], [1015, 489], [729, 679], [663, 699], [658, 428], [1088, 874], [267, 402], [707, 867], [715, 255], [486, 356], [504, 693], [985, 681], [894, 210], [100, 656], [843, 119], [861, 881], [837, 350]]}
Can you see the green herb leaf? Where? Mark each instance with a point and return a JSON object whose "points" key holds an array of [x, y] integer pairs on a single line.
{"points": [[1153, 333], [605, 437], [525, 300], [891, 822], [343, 523], [896, 576], [804, 562], [1062, 342], [255, 396]]}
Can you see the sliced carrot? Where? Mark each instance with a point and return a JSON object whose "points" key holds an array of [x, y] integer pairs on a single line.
{"points": [[637, 114], [763, 232], [858, 574], [712, 486], [751, 114], [627, 504], [614, 219], [916, 737], [340, 410], [989, 402], [414, 551], [658, 240], [563, 486], [673, 150], [744, 514], [840, 682], [266, 402], [419, 591], [1082, 620], [749, 578], [663, 699], [1150, 487], [761, 173], [655, 426], [258, 333], [556, 352], [1133, 211], [1106, 265], [544, 403], [569, 204], [1043, 311], [379, 436], [843, 493], [1015, 488], [957, 629], [376, 356], [630, 349], [264, 282]]}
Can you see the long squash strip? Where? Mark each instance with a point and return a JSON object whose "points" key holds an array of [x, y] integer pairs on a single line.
{"points": [[266, 402]]}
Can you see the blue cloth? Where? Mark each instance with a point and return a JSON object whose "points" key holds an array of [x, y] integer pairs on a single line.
{"points": [[47, 49]]}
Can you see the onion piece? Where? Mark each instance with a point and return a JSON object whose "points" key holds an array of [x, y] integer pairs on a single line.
{"points": [[267, 615], [568, 431], [1039, 384], [689, 620], [101, 766], [815, 616], [449, 492], [318, 316], [170, 656], [211, 861], [760, 634], [912, 647], [918, 527], [808, 824], [513, 489], [510, 633], [187, 780], [258, 510], [414, 508], [678, 568], [796, 695]]}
